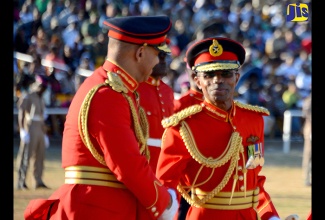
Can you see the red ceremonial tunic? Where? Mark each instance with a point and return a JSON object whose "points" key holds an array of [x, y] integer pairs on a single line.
{"points": [[191, 97], [210, 131], [111, 131], [156, 98]]}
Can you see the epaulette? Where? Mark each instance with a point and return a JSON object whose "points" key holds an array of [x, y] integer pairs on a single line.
{"points": [[115, 82], [177, 117], [254, 108]]}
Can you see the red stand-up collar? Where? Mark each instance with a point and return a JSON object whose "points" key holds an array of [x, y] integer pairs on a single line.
{"points": [[219, 113], [128, 80], [152, 81]]}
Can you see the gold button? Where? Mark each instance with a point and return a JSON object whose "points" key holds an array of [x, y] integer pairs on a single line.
{"points": [[240, 168], [242, 188], [153, 209], [241, 178], [163, 110], [156, 214], [148, 113]]}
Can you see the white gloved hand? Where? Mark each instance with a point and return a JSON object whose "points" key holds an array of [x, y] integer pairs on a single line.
{"points": [[292, 217], [274, 218], [46, 141], [169, 214], [24, 135]]}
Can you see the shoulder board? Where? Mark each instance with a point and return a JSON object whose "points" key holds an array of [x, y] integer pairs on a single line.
{"points": [[177, 117], [114, 80], [254, 108]]}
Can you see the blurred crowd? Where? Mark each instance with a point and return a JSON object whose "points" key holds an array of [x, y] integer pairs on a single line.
{"points": [[62, 38]]}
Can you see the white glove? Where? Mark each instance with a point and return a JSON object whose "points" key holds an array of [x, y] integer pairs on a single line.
{"points": [[292, 217], [274, 218], [169, 214], [24, 135], [46, 141]]}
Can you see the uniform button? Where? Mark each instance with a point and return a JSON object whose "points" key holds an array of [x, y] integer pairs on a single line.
{"points": [[240, 168], [148, 113], [241, 178], [154, 209], [163, 110], [156, 214], [153, 81], [191, 94], [160, 95], [162, 102], [242, 188]]}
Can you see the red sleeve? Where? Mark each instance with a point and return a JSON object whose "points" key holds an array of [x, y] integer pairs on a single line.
{"points": [[111, 124]]}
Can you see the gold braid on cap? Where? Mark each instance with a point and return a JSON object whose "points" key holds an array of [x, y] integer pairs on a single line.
{"points": [[141, 126]]}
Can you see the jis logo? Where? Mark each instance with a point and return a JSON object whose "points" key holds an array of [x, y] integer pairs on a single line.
{"points": [[297, 12]]}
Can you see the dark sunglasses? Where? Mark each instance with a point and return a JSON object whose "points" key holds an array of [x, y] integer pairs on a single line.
{"points": [[223, 74]]}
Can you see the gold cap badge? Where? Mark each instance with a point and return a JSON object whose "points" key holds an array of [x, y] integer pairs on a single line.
{"points": [[215, 49]]}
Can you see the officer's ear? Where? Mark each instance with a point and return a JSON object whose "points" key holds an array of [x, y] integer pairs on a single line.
{"points": [[237, 74], [139, 52], [197, 80]]}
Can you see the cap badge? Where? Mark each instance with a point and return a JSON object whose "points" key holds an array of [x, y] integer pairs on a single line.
{"points": [[215, 49]]}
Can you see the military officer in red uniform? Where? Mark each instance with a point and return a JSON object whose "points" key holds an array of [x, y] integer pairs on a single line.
{"points": [[156, 98], [213, 152], [104, 151]]}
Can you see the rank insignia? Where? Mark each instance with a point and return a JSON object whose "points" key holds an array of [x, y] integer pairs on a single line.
{"points": [[215, 49], [252, 139]]}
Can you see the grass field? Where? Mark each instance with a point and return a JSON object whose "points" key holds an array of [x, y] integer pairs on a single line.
{"points": [[283, 180]]}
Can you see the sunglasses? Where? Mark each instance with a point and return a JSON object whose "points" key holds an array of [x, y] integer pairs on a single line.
{"points": [[223, 74]]}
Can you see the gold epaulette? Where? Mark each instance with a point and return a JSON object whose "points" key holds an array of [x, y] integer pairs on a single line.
{"points": [[115, 82], [254, 108], [177, 117]]}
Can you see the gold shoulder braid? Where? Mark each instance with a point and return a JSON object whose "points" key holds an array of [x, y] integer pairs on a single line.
{"points": [[177, 117], [253, 107], [232, 152], [141, 126]]}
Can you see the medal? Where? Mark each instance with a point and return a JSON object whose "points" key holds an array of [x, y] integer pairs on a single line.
{"points": [[257, 154], [250, 163]]}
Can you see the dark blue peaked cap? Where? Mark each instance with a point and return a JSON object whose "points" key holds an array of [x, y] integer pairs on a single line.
{"points": [[146, 30], [215, 53]]}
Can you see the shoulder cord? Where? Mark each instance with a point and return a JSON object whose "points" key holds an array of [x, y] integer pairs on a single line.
{"points": [[232, 152], [141, 126]]}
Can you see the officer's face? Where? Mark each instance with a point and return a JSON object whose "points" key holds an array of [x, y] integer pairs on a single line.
{"points": [[218, 86]]}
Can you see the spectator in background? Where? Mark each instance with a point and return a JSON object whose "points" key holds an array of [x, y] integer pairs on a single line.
{"points": [[307, 132], [98, 49], [70, 9], [303, 79], [71, 32], [33, 137], [47, 16], [292, 100]]}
